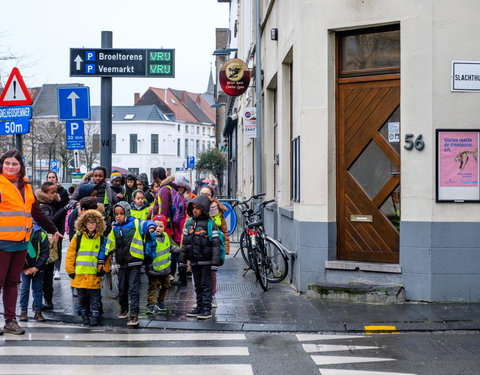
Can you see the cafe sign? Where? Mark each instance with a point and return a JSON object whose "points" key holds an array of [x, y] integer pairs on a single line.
{"points": [[234, 77]]}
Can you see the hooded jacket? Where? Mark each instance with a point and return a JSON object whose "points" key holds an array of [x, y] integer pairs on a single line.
{"points": [[196, 246], [121, 237], [129, 192], [51, 209], [85, 281]]}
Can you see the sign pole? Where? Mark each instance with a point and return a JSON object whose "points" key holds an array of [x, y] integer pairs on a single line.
{"points": [[19, 143], [106, 112]]}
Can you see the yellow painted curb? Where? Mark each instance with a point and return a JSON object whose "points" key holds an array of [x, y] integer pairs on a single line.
{"points": [[380, 329]]}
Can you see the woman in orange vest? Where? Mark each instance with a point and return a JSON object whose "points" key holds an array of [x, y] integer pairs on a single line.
{"points": [[17, 208]]}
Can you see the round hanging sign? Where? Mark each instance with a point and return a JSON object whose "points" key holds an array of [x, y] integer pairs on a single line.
{"points": [[234, 77]]}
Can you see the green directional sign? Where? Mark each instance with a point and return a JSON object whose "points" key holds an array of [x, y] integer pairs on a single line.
{"points": [[160, 63], [114, 62]]}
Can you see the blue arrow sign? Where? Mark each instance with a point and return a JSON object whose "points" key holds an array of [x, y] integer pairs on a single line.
{"points": [[16, 112], [19, 126], [75, 135], [73, 103]]}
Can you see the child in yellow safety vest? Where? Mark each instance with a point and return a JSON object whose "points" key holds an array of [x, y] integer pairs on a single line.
{"points": [[157, 258], [139, 207], [81, 264]]}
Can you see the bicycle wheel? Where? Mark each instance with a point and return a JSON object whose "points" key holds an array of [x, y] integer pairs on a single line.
{"points": [[276, 262], [244, 243], [260, 269]]}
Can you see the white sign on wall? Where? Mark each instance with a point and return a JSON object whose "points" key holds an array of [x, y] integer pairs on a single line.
{"points": [[250, 122], [466, 76]]}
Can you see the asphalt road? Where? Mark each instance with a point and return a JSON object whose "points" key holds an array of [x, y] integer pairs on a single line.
{"points": [[51, 348]]}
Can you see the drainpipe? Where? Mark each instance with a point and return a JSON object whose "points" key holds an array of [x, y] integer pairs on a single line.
{"points": [[258, 97]]}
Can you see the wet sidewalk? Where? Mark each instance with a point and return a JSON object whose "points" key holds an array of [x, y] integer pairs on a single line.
{"points": [[244, 306]]}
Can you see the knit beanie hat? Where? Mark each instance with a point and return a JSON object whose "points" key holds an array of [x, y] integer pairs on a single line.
{"points": [[115, 175], [161, 218], [85, 190]]}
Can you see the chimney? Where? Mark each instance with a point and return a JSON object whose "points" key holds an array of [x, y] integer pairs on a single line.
{"points": [[184, 97], [199, 101], [136, 98]]}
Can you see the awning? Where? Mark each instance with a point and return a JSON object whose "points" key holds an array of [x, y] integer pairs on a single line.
{"points": [[230, 124]]}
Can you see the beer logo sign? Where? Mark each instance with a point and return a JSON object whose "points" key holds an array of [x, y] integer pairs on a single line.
{"points": [[234, 77]]}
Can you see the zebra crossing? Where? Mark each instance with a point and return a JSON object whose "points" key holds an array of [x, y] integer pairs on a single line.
{"points": [[323, 343], [50, 349]]}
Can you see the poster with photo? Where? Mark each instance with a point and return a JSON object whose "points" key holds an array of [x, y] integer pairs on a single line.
{"points": [[457, 165]]}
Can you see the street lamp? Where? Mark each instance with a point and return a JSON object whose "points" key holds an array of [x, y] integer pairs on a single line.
{"points": [[224, 51]]}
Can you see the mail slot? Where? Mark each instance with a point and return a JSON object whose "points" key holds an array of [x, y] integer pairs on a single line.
{"points": [[361, 218]]}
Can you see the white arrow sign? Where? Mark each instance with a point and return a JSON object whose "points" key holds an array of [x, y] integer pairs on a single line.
{"points": [[73, 97], [76, 161], [78, 60]]}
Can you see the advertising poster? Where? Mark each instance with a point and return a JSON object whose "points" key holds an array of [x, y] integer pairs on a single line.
{"points": [[458, 169], [250, 122]]}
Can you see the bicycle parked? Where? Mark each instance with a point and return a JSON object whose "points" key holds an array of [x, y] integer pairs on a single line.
{"points": [[262, 253]]}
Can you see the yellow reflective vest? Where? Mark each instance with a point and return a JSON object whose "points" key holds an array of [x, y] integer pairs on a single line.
{"points": [[136, 246], [162, 259], [87, 256]]}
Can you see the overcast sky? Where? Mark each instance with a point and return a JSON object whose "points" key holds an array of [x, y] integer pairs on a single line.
{"points": [[43, 31]]}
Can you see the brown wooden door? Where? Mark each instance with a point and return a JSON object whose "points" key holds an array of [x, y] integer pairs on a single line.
{"points": [[368, 169]]}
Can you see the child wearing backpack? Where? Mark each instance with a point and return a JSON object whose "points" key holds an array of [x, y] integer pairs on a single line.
{"points": [[157, 258], [126, 240], [37, 256], [217, 210], [81, 264], [201, 246], [140, 207]]}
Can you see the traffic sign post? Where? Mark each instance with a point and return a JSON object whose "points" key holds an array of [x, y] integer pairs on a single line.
{"points": [[19, 126], [75, 135], [54, 166], [107, 62], [111, 62], [15, 93], [191, 162], [73, 103]]}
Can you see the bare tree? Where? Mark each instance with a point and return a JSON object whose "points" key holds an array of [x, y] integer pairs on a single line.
{"points": [[91, 154]]}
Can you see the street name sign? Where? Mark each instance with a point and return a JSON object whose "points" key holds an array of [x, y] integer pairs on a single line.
{"points": [[15, 91], [73, 103], [75, 135], [113, 62], [18, 126], [17, 112]]}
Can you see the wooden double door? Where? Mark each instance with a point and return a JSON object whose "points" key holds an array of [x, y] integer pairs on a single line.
{"points": [[368, 169]]}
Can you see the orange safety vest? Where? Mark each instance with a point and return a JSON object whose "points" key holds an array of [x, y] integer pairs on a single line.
{"points": [[15, 212]]}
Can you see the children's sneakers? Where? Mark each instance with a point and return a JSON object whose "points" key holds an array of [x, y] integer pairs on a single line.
{"points": [[133, 321], [150, 309], [194, 313], [214, 303], [24, 316], [205, 315], [39, 317], [161, 306], [123, 314]]}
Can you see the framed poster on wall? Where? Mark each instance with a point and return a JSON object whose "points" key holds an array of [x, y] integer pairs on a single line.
{"points": [[457, 173]]}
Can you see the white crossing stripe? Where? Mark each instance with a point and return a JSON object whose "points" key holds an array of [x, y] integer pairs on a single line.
{"points": [[197, 369], [330, 360], [325, 371], [75, 351], [34, 336], [52, 325], [319, 336], [312, 348]]}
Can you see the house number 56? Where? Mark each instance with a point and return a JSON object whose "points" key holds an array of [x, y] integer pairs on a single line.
{"points": [[417, 143]]}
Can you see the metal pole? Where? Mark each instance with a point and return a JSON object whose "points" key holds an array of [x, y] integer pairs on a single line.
{"points": [[258, 98], [106, 112], [19, 143]]}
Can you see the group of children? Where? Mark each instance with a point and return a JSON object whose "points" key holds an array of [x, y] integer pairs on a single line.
{"points": [[134, 242]]}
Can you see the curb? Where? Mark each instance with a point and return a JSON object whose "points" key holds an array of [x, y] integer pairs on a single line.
{"points": [[391, 327]]}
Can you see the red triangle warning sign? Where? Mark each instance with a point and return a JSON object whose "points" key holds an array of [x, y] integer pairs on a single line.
{"points": [[15, 91]]}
